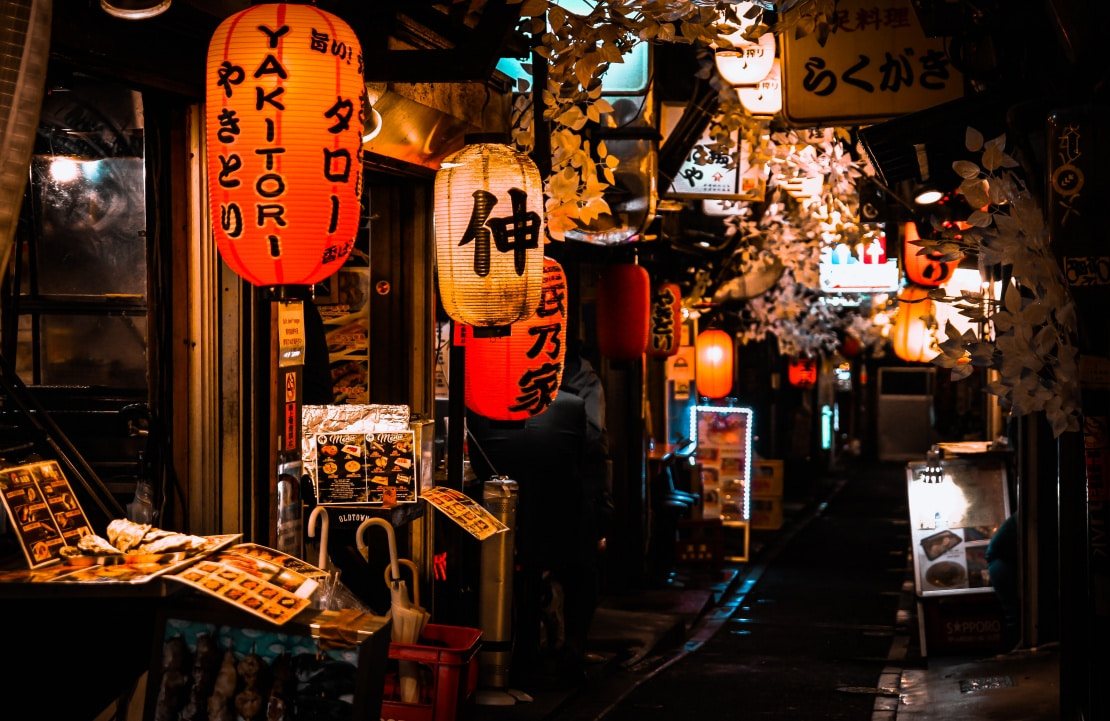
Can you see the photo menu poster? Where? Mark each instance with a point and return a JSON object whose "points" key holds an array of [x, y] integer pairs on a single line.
{"points": [[372, 468], [44, 510]]}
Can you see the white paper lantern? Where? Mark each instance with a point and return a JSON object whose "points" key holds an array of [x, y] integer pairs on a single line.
{"points": [[765, 97], [747, 62], [489, 235]]}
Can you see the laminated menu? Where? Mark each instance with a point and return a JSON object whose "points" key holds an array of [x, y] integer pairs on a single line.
{"points": [[365, 468], [260, 580], [43, 509]]}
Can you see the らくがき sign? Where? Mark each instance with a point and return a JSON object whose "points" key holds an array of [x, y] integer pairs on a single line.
{"points": [[876, 64], [285, 112]]}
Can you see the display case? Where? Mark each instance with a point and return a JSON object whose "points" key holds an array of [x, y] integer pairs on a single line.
{"points": [[956, 505]]}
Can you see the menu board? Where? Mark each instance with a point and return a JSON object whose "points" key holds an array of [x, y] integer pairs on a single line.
{"points": [[955, 509], [723, 435], [43, 509], [374, 468]]}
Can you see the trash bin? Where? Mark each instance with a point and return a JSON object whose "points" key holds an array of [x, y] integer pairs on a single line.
{"points": [[495, 590]]}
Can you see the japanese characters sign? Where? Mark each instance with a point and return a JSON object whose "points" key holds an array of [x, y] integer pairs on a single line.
{"points": [[516, 376], [708, 175], [285, 114], [876, 64]]}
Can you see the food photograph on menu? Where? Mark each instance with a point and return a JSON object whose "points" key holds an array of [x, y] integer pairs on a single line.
{"points": [[366, 468]]}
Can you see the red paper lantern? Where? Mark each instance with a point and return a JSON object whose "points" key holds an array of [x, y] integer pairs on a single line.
{"points": [[285, 109], [665, 322], [914, 339], [515, 377], [924, 269], [802, 372], [851, 346], [623, 308], [713, 363]]}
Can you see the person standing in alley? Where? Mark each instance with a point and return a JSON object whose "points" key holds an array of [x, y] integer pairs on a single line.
{"points": [[1005, 575]]}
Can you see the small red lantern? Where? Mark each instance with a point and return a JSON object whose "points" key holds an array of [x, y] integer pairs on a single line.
{"points": [[623, 307], [851, 346], [924, 269], [285, 98], [666, 321], [713, 363], [914, 340], [802, 372], [516, 377]]}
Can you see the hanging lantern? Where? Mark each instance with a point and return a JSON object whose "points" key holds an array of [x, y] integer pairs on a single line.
{"points": [[851, 346], [623, 307], [713, 363], [764, 99], [913, 336], [924, 269], [515, 377], [285, 98], [747, 62], [665, 322], [802, 372], [488, 229]]}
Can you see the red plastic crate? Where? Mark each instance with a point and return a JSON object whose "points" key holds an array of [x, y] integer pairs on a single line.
{"points": [[452, 665]]}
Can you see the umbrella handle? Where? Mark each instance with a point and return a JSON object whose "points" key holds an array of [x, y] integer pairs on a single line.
{"points": [[321, 513], [411, 565], [390, 535]]}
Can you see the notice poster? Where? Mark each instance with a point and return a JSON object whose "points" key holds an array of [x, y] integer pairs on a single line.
{"points": [[43, 509]]}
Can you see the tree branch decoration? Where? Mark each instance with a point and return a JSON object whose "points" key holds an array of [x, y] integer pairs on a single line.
{"points": [[1033, 344]]}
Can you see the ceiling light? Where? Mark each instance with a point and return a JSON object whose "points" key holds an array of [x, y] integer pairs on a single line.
{"points": [[927, 195], [135, 9]]}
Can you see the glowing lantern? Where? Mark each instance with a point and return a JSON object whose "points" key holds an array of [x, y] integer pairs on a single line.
{"points": [[913, 336], [765, 97], [747, 62], [851, 346], [623, 307], [515, 377], [284, 117], [665, 322], [925, 269], [802, 372], [488, 229], [713, 363]]}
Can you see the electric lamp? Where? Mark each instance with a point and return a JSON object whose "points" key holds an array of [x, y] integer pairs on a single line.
{"points": [[665, 322], [284, 116], [488, 231], [516, 376], [713, 356]]}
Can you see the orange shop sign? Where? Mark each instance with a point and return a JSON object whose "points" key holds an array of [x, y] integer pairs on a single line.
{"points": [[876, 64]]}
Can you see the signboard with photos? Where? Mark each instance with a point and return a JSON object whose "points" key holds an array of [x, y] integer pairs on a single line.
{"points": [[46, 516]]}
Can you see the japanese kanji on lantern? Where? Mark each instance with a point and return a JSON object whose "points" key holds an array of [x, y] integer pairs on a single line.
{"points": [[284, 115], [802, 372], [623, 308], [713, 359], [665, 322], [924, 269], [515, 377], [488, 232]]}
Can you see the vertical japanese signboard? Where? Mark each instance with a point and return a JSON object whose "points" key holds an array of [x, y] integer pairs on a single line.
{"points": [[876, 64]]}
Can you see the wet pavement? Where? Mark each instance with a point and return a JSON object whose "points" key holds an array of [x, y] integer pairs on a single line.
{"points": [[820, 623]]}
